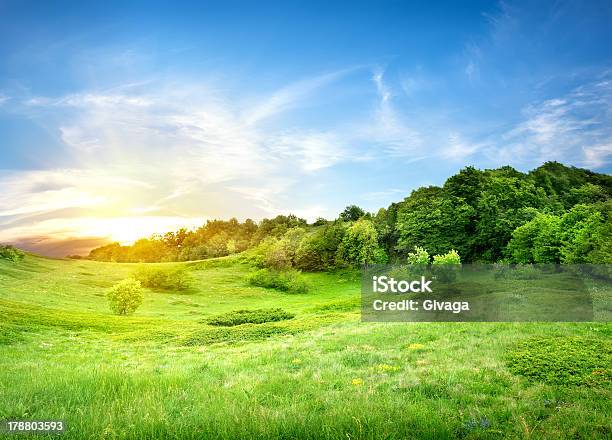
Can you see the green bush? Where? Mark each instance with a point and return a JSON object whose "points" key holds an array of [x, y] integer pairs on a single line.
{"points": [[563, 360], [419, 257], [280, 253], [318, 251], [451, 257], [257, 316], [308, 255], [11, 253], [360, 245], [125, 296], [176, 278], [446, 266], [257, 255], [289, 281]]}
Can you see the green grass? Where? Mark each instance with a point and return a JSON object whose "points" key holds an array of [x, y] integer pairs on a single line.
{"points": [[563, 361], [167, 372]]}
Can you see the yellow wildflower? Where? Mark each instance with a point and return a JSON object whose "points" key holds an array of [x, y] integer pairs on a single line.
{"points": [[358, 381], [415, 346], [384, 368]]}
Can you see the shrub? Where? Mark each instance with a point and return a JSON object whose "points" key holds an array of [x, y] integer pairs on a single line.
{"points": [[11, 253], [360, 245], [289, 281], [318, 251], [257, 255], [278, 255], [125, 296], [445, 266], [308, 255], [281, 255], [176, 278], [420, 256], [234, 334], [257, 316], [451, 257]]}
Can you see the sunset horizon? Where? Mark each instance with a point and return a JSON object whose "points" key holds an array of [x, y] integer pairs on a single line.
{"points": [[79, 241]]}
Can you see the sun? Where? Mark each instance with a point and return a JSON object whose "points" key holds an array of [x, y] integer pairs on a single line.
{"points": [[125, 230]]}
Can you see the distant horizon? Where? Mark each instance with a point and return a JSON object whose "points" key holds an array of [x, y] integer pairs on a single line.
{"points": [[123, 121], [60, 247]]}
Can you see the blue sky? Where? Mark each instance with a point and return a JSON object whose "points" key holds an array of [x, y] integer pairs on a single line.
{"points": [[121, 120]]}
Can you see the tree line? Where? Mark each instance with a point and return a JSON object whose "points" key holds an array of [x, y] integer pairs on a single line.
{"points": [[553, 214]]}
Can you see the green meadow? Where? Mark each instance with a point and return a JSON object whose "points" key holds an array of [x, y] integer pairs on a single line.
{"points": [[225, 359]]}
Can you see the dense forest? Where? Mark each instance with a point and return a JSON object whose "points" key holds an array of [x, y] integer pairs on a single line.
{"points": [[553, 214]]}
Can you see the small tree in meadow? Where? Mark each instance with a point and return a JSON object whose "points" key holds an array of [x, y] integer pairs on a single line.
{"points": [[125, 296]]}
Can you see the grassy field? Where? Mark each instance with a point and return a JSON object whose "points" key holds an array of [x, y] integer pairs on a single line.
{"points": [[167, 372]]}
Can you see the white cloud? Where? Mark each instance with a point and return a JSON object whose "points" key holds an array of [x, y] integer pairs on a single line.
{"points": [[382, 89], [459, 149], [29, 192], [165, 150], [474, 56], [390, 133], [574, 128], [598, 155], [390, 194], [312, 150], [472, 71], [265, 193], [292, 95]]}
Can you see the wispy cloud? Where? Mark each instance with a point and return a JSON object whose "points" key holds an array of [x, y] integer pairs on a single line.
{"points": [[312, 150], [459, 149], [158, 150], [575, 127], [391, 132], [597, 156], [389, 194], [472, 70], [292, 95]]}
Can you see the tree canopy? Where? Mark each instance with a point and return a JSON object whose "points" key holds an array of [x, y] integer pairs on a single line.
{"points": [[553, 214]]}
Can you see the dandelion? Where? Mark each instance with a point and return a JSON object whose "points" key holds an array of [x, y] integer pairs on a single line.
{"points": [[296, 361], [357, 381], [415, 346]]}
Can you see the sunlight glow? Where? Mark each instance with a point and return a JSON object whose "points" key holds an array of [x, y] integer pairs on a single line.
{"points": [[124, 230]]}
